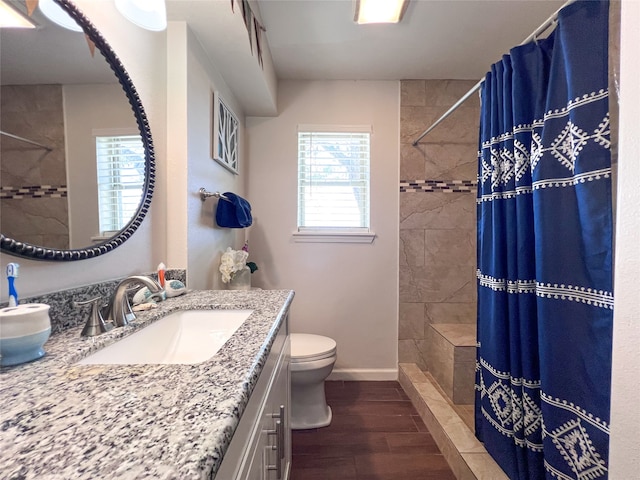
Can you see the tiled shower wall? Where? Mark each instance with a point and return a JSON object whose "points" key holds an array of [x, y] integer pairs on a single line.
{"points": [[33, 193], [437, 212]]}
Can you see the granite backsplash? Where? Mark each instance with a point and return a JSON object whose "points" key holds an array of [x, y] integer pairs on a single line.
{"points": [[65, 315]]}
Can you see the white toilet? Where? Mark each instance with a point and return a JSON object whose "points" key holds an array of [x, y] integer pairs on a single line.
{"points": [[312, 359]]}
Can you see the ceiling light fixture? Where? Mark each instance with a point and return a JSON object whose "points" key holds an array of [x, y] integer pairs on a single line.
{"points": [[11, 17], [380, 11], [56, 14], [149, 14]]}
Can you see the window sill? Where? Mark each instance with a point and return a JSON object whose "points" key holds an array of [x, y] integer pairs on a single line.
{"points": [[101, 237], [333, 237]]}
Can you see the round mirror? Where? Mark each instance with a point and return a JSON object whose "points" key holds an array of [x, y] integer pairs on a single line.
{"points": [[76, 168]]}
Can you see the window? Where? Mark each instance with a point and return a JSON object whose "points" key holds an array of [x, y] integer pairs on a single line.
{"points": [[333, 180], [121, 166]]}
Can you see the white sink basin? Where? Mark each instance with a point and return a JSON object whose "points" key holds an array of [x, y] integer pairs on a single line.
{"points": [[185, 336]]}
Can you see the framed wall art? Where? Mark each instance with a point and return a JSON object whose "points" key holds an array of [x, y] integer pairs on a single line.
{"points": [[224, 148]]}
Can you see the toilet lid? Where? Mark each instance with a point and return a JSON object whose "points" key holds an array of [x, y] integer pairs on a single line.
{"points": [[306, 347]]}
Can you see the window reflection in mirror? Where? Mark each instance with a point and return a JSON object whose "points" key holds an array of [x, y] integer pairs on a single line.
{"points": [[120, 163], [58, 94]]}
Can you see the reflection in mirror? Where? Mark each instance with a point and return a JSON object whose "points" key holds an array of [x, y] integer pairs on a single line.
{"points": [[76, 173]]}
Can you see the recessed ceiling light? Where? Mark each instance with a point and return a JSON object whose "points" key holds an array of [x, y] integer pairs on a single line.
{"points": [[148, 14], [56, 14], [11, 17], [380, 11]]}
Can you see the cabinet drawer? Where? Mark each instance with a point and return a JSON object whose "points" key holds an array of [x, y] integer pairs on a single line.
{"points": [[250, 450]]}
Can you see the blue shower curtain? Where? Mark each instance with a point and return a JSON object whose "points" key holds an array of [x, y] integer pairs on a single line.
{"points": [[544, 213]]}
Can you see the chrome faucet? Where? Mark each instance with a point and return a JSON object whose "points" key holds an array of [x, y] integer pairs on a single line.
{"points": [[119, 311]]}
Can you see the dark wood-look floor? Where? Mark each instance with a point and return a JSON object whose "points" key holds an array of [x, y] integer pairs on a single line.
{"points": [[375, 434]]}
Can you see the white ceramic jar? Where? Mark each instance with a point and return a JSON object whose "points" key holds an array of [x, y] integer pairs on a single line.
{"points": [[24, 329]]}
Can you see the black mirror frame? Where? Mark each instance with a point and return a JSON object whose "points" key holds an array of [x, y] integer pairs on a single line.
{"points": [[35, 252]]}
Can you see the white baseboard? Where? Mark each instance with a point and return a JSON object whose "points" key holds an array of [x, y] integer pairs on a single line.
{"points": [[364, 374]]}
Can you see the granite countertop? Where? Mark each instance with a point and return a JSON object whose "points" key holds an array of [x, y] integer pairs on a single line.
{"points": [[64, 421]]}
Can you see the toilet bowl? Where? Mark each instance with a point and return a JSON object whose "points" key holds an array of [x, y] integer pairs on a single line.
{"points": [[312, 359]]}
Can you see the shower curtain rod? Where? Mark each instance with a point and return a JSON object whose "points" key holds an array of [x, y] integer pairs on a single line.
{"points": [[26, 140], [548, 23]]}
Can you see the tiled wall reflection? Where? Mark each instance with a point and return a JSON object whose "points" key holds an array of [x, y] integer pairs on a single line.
{"points": [[33, 179]]}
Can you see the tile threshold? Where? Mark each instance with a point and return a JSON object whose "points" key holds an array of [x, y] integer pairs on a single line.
{"points": [[465, 454]]}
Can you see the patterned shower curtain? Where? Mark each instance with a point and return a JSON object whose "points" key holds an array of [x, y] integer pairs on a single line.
{"points": [[545, 254]]}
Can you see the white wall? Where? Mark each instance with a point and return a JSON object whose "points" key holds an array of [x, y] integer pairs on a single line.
{"points": [[206, 241], [625, 404], [175, 230], [194, 241], [88, 108], [143, 55], [346, 291]]}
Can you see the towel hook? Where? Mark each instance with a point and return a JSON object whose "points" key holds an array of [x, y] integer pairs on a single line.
{"points": [[204, 194]]}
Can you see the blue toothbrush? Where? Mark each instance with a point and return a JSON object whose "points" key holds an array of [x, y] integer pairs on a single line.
{"points": [[12, 273]]}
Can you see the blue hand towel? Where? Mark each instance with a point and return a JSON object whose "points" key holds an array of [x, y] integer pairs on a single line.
{"points": [[234, 212]]}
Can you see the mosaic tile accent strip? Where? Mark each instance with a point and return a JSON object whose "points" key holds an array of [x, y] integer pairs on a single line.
{"points": [[65, 315], [33, 191], [462, 186]]}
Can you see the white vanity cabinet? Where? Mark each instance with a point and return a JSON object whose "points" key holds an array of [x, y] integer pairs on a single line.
{"points": [[261, 446]]}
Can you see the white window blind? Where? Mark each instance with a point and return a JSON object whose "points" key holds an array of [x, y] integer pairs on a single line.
{"points": [[333, 180], [121, 168]]}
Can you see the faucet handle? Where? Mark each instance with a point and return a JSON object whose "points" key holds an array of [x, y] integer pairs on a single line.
{"points": [[95, 323]]}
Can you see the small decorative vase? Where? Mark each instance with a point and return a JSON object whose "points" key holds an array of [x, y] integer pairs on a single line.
{"points": [[241, 280]]}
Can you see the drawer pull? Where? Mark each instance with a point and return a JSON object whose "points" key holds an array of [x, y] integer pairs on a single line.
{"points": [[278, 447], [279, 415], [281, 439]]}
